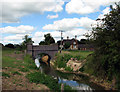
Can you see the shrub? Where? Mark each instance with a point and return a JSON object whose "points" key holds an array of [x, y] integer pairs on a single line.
{"points": [[5, 74], [23, 69], [38, 77], [68, 69], [29, 62], [16, 72]]}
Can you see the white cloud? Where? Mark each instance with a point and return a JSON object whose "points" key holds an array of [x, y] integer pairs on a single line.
{"points": [[12, 10], [14, 39], [87, 6], [104, 12], [52, 16], [39, 36], [68, 24], [22, 29]]}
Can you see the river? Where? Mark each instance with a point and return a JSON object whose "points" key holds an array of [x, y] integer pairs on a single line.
{"points": [[76, 81]]}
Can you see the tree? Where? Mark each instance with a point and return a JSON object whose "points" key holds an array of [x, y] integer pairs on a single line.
{"points": [[9, 45], [67, 45], [17, 46], [42, 43], [106, 36], [48, 40], [83, 41], [26, 41]]}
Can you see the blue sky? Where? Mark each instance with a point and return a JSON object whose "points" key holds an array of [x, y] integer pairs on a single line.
{"points": [[36, 18]]}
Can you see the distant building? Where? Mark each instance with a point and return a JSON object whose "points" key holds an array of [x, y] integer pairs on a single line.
{"points": [[75, 44], [85, 47]]}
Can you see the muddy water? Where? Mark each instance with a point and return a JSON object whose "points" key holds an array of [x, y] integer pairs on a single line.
{"points": [[76, 81]]}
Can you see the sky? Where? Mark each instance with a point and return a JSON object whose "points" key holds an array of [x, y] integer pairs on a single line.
{"points": [[38, 17]]}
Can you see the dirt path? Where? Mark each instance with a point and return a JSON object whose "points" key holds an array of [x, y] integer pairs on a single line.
{"points": [[18, 81]]}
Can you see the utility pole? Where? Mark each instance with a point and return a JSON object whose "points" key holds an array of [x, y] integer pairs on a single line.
{"points": [[61, 46]]}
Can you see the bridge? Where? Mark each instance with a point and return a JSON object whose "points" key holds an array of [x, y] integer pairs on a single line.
{"points": [[34, 50]]}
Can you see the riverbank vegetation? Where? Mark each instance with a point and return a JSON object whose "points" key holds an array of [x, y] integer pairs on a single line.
{"points": [[105, 61], [20, 73], [65, 56]]}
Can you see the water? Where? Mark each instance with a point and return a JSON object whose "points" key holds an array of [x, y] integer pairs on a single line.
{"points": [[78, 82]]}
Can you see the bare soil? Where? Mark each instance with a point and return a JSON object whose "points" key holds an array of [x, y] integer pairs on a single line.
{"points": [[19, 82]]}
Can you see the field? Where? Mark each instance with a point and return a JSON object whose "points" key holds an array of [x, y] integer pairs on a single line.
{"points": [[15, 67], [20, 73]]}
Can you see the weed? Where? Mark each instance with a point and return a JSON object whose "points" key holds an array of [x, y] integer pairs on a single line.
{"points": [[23, 69], [38, 77], [5, 75], [49, 81], [68, 69], [16, 73]]}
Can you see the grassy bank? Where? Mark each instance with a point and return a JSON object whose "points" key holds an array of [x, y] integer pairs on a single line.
{"points": [[65, 56], [20, 73]]}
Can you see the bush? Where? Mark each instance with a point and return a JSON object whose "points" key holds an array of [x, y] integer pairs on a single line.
{"points": [[38, 77], [23, 69], [67, 45], [49, 81], [68, 69], [16, 72], [29, 62], [62, 59], [5, 75]]}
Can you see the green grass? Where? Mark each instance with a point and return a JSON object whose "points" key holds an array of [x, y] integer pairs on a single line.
{"points": [[63, 58], [82, 54], [16, 73], [23, 69], [29, 62], [68, 69], [5, 74], [49, 81], [9, 62]]}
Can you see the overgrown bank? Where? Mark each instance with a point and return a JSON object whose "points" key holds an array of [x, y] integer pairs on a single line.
{"points": [[15, 67], [60, 63], [20, 73]]}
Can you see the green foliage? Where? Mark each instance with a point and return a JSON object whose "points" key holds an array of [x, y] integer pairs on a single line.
{"points": [[68, 69], [29, 62], [16, 73], [49, 81], [42, 43], [81, 69], [38, 77], [8, 62], [106, 37], [27, 40], [89, 65], [23, 69], [67, 45], [5, 74], [63, 58], [48, 40]]}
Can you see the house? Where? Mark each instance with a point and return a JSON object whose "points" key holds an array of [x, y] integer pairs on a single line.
{"points": [[73, 43], [85, 47]]}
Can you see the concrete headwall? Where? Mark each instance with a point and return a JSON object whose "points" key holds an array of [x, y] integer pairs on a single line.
{"points": [[34, 50]]}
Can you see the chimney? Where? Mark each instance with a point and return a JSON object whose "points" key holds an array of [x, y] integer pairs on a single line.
{"points": [[67, 37], [75, 36]]}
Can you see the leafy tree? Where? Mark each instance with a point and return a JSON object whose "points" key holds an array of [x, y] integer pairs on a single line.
{"points": [[83, 41], [17, 46], [48, 40], [27, 40], [42, 43], [67, 45], [106, 36], [9, 45]]}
